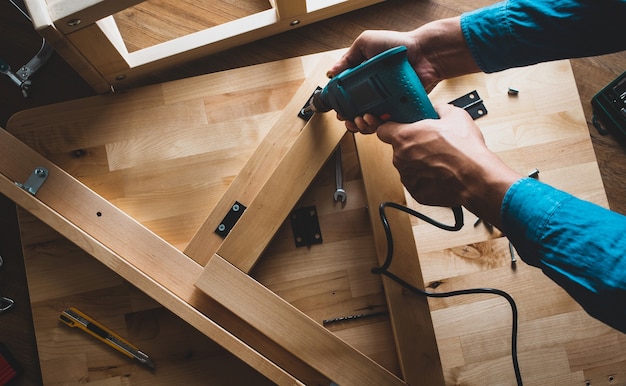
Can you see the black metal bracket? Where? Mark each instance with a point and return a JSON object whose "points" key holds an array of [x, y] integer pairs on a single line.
{"points": [[305, 226], [472, 103], [230, 219]]}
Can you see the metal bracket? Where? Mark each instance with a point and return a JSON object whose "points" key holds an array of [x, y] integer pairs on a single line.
{"points": [[230, 219], [21, 77], [34, 182], [472, 103], [305, 226], [304, 114]]}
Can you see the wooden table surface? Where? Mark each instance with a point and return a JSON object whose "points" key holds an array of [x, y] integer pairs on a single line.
{"points": [[164, 154], [560, 336]]}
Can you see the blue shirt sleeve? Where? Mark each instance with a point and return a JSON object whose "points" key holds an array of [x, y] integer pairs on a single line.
{"points": [[579, 245], [516, 33]]}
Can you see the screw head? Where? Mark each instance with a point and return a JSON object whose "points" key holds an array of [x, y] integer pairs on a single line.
{"points": [[40, 172], [74, 22]]}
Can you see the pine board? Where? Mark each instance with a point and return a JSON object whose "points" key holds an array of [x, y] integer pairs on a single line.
{"points": [[148, 152]]}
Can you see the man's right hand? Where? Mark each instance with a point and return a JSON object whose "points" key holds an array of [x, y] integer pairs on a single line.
{"points": [[436, 51], [445, 162]]}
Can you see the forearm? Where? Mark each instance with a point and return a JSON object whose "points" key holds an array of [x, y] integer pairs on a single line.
{"points": [[442, 44], [577, 244]]}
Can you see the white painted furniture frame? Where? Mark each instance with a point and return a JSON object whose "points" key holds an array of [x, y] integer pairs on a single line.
{"points": [[85, 34]]}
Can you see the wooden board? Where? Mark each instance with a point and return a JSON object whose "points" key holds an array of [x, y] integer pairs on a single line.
{"points": [[148, 153], [88, 38]]}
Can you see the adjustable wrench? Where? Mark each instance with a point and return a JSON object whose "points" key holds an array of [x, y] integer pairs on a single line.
{"points": [[340, 193]]}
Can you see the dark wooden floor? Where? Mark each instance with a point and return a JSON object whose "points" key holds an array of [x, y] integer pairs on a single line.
{"points": [[57, 82]]}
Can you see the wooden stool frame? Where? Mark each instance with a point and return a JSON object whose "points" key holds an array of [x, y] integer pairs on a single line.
{"points": [[210, 287]]}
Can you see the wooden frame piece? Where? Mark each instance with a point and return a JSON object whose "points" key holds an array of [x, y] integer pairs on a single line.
{"points": [[411, 321], [291, 148], [259, 168], [102, 230], [101, 240], [86, 36]]}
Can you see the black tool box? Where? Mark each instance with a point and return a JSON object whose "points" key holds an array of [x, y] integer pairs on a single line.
{"points": [[609, 109]]}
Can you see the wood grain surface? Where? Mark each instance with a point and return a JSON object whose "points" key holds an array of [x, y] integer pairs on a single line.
{"points": [[164, 189], [559, 344]]}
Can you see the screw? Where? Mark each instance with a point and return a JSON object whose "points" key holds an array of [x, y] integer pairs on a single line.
{"points": [[294, 23], [39, 172], [512, 252], [74, 22], [534, 174], [236, 208], [221, 228]]}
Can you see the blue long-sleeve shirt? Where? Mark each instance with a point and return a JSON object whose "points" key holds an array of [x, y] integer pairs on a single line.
{"points": [[579, 245], [517, 33]]}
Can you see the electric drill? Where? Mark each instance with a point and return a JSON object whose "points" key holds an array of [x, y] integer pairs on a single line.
{"points": [[385, 86]]}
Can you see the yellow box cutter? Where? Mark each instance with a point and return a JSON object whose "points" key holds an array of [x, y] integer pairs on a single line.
{"points": [[75, 318]]}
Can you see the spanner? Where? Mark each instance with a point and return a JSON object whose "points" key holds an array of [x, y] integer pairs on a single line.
{"points": [[340, 194]]}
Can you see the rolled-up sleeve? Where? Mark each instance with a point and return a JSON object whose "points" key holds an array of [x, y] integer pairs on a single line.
{"points": [[579, 245], [516, 33]]}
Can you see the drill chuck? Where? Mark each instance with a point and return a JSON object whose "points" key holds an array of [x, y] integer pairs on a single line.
{"points": [[316, 103]]}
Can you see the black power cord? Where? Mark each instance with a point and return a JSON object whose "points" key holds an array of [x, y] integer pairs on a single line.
{"points": [[458, 218]]}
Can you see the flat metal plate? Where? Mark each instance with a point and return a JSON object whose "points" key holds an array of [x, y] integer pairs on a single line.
{"points": [[229, 221], [472, 103], [305, 226]]}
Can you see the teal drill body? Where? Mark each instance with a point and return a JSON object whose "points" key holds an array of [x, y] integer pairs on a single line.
{"points": [[385, 85]]}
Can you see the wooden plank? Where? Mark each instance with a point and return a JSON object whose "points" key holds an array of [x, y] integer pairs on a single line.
{"points": [[102, 47], [276, 199], [183, 49], [259, 168], [63, 12], [410, 315], [105, 232], [45, 27], [290, 328], [289, 8]]}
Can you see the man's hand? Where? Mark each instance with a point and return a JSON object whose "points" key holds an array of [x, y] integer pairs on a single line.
{"points": [[445, 162], [436, 51]]}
